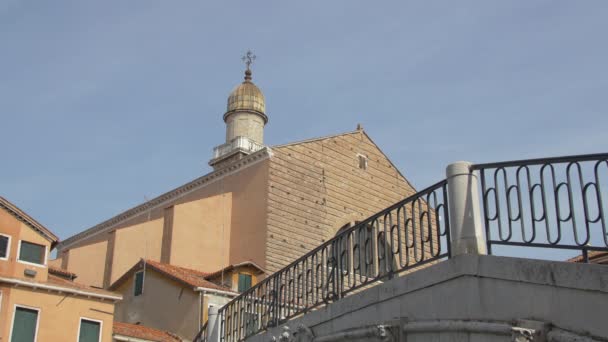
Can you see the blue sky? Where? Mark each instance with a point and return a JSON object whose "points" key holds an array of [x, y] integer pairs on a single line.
{"points": [[105, 103]]}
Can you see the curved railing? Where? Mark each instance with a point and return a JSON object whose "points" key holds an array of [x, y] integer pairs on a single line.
{"points": [[556, 203], [408, 234], [548, 203]]}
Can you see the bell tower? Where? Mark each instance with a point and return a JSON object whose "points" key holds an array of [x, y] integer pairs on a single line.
{"points": [[245, 119]]}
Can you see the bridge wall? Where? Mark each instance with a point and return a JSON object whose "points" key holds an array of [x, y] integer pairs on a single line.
{"points": [[467, 298]]}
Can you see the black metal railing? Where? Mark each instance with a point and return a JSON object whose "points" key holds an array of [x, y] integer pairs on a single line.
{"points": [[201, 336], [556, 203], [408, 234], [550, 203]]}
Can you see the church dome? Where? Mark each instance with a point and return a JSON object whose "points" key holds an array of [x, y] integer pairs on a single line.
{"points": [[246, 97]]}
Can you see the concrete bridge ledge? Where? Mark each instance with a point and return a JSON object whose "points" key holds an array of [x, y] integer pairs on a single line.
{"points": [[501, 290]]}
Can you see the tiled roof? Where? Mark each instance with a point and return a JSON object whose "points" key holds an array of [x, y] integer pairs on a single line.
{"points": [[594, 257], [172, 194], [184, 275], [61, 272], [233, 266], [143, 332], [27, 219]]}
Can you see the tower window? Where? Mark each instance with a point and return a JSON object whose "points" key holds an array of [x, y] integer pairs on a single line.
{"points": [[362, 161]]}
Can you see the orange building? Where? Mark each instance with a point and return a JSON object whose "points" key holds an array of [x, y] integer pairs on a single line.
{"points": [[39, 302], [185, 293]]}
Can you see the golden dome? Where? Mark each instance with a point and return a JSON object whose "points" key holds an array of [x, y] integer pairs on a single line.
{"points": [[246, 97]]}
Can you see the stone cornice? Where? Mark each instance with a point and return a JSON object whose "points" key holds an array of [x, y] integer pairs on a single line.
{"points": [[249, 111], [173, 194]]}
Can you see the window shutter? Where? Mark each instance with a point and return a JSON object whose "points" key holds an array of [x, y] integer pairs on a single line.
{"points": [[31, 252], [89, 331], [139, 284], [3, 246], [24, 325], [244, 282]]}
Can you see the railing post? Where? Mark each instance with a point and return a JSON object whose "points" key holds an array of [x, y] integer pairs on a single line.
{"points": [[466, 230], [213, 325]]}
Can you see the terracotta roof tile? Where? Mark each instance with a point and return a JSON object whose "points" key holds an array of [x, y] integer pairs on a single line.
{"points": [[61, 272], [189, 276], [592, 255], [143, 332], [233, 266]]}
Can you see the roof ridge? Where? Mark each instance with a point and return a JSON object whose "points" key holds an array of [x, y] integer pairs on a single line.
{"points": [[167, 270], [316, 139], [148, 261], [232, 266], [23, 216], [142, 328], [168, 195], [186, 188]]}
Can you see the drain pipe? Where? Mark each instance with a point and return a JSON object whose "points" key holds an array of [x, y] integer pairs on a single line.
{"points": [[201, 297]]}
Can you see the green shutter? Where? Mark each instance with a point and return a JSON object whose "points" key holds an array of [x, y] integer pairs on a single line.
{"points": [[24, 325], [244, 282], [3, 246], [31, 252], [139, 284], [89, 331]]}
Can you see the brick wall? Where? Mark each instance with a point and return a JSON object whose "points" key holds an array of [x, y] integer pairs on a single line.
{"points": [[316, 187]]}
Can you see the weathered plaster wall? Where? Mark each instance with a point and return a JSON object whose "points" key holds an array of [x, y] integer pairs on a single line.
{"points": [[164, 304], [132, 243], [88, 260], [193, 230], [59, 316]]}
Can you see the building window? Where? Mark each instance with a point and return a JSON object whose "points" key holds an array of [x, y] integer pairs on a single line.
{"points": [[25, 324], [89, 330], [5, 245], [362, 161], [139, 284], [32, 253], [244, 282]]}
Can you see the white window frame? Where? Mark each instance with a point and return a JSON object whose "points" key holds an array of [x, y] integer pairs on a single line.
{"points": [[143, 281], [365, 159], [46, 254], [10, 336], [8, 247], [91, 320]]}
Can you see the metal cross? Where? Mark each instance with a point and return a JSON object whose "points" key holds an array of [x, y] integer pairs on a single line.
{"points": [[248, 58]]}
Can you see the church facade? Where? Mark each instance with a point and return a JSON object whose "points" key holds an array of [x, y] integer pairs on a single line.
{"points": [[262, 204]]}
